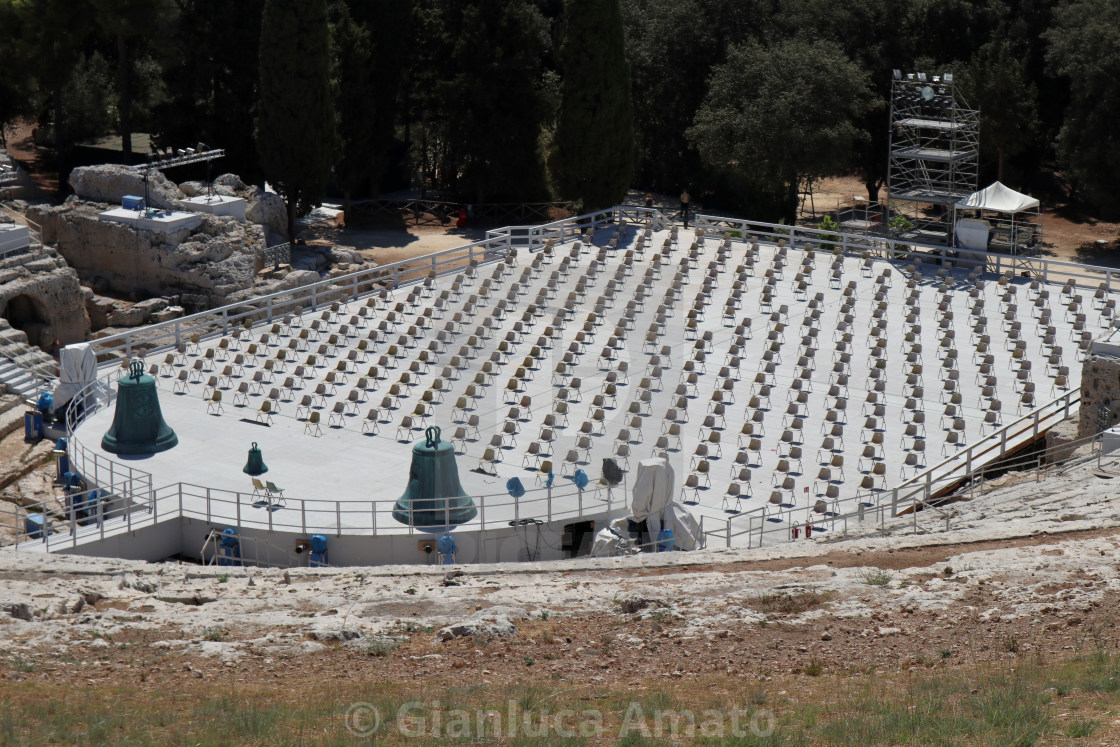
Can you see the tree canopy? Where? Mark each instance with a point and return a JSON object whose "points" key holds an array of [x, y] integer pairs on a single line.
{"points": [[595, 134], [1085, 49], [776, 113], [295, 123], [525, 100]]}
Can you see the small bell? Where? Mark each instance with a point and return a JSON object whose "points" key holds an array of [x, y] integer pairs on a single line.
{"points": [[255, 465]]}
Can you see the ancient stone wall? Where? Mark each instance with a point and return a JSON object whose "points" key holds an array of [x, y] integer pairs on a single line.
{"points": [[46, 300], [1100, 387], [205, 266]]}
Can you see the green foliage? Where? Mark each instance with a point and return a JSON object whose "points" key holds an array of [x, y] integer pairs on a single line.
{"points": [[1084, 46], [499, 101], [211, 77], [828, 223], [773, 113], [877, 577], [295, 123], [996, 79], [670, 52], [594, 154], [368, 56]]}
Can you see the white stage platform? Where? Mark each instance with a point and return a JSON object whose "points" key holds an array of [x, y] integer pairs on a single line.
{"points": [[160, 221], [671, 329], [14, 238], [215, 205]]}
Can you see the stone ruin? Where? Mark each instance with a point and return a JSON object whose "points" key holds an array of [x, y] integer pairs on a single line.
{"points": [[136, 277]]}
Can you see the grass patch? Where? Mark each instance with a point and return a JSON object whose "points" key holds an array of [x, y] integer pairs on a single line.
{"points": [[787, 603], [1017, 703], [877, 577]]}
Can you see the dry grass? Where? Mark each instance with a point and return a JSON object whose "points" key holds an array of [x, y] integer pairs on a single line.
{"points": [[1022, 703]]}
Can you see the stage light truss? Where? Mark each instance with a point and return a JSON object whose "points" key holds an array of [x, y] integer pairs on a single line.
{"points": [[181, 157]]}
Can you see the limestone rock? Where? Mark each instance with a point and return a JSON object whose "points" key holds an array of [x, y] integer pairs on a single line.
{"points": [[100, 309], [268, 210], [134, 582], [336, 634], [56, 301], [192, 189], [18, 610], [233, 183], [493, 622], [204, 266], [110, 182], [166, 315]]}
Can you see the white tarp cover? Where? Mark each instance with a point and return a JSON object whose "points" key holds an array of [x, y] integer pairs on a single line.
{"points": [[77, 368], [653, 492], [999, 198], [973, 234], [652, 500], [686, 530]]}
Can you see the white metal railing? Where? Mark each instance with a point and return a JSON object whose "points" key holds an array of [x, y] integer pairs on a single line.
{"points": [[137, 486], [136, 503], [135, 506], [907, 250], [498, 244], [913, 494]]}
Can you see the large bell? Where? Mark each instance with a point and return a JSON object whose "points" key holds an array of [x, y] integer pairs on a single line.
{"points": [[138, 426], [434, 497], [255, 465]]}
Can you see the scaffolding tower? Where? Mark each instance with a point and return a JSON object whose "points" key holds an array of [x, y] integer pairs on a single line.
{"points": [[934, 144]]}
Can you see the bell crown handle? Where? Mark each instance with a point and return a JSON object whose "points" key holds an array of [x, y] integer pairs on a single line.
{"points": [[431, 436]]}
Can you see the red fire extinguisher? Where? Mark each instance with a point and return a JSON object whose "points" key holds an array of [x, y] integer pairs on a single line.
{"points": [[796, 531], [808, 530]]}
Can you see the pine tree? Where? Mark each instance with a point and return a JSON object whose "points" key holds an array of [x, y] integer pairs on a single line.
{"points": [[295, 119], [595, 135]]}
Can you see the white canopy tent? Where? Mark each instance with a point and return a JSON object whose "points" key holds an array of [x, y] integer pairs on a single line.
{"points": [[1004, 219]]}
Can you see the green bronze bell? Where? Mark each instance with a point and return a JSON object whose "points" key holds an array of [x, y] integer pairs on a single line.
{"points": [[138, 426], [434, 497], [255, 465]]}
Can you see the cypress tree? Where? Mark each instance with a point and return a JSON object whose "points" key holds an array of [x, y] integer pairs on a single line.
{"points": [[595, 134], [295, 120]]}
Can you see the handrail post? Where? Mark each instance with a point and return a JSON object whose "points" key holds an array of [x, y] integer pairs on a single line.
{"points": [[225, 321], [237, 497], [303, 515], [268, 306], [207, 505], [338, 518]]}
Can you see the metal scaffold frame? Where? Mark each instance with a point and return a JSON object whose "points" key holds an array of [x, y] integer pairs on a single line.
{"points": [[934, 147]]}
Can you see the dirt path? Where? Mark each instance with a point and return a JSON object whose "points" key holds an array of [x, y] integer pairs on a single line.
{"points": [[1068, 235]]}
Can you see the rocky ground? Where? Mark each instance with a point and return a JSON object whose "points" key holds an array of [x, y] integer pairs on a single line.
{"points": [[1007, 581]]}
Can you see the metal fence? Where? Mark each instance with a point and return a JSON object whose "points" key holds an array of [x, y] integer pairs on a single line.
{"points": [[136, 490]]}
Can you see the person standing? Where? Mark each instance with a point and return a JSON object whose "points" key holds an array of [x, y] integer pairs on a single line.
{"points": [[685, 198]]}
